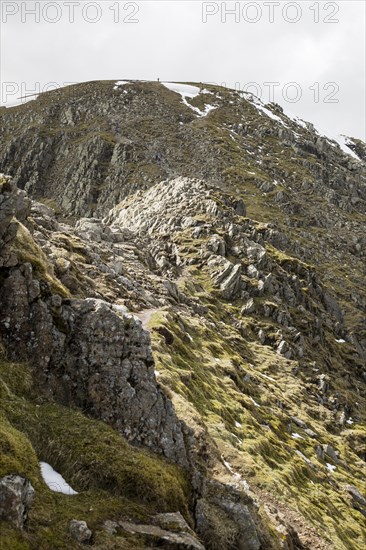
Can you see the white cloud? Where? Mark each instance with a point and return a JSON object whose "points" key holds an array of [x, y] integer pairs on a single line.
{"points": [[170, 41]]}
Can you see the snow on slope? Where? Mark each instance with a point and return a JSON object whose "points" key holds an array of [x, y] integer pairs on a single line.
{"points": [[343, 142], [55, 481], [186, 90], [340, 139], [337, 139], [119, 83], [334, 139], [189, 91], [261, 107]]}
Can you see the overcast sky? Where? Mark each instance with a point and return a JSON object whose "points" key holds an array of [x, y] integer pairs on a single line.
{"points": [[308, 56]]}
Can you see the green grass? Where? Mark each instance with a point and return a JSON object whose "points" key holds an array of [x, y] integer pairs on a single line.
{"points": [[208, 370], [114, 479]]}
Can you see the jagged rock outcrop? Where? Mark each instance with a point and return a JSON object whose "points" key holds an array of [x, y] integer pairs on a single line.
{"points": [[105, 365], [88, 152], [358, 500], [243, 534], [16, 497], [209, 310], [92, 354], [89, 353]]}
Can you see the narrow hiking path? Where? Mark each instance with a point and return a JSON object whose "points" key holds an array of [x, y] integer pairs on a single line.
{"points": [[145, 316]]}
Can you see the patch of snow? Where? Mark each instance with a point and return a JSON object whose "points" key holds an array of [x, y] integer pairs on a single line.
{"points": [[295, 435], [189, 336], [237, 425], [300, 122], [119, 84], [187, 90], [157, 373], [209, 108], [200, 113], [340, 140], [228, 466], [270, 114], [297, 120], [264, 375], [343, 142], [340, 341], [349, 421], [331, 467], [195, 109], [55, 481], [261, 107], [254, 402], [242, 482], [237, 438]]}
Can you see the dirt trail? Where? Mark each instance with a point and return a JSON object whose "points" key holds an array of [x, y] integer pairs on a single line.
{"points": [[308, 536], [145, 316]]}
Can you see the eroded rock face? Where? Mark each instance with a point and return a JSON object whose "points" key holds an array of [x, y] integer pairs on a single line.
{"points": [[88, 353], [89, 171], [105, 366], [11, 200], [92, 355], [16, 497]]}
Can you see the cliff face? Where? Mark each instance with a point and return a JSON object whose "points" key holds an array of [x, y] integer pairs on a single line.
{"points": [[199, 288]]}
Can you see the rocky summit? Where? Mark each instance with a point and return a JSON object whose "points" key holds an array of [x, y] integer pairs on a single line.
{"points": [[182, 323]]}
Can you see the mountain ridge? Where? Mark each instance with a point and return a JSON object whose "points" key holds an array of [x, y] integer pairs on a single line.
{"points": [[239, 246]]}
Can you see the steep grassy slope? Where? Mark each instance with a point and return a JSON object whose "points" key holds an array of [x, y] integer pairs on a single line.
{"points": [[292, 426], [113, 479], [248, 397]]}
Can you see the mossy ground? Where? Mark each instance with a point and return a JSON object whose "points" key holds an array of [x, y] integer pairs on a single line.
{"points": [[246, 395], [114, 480]]}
